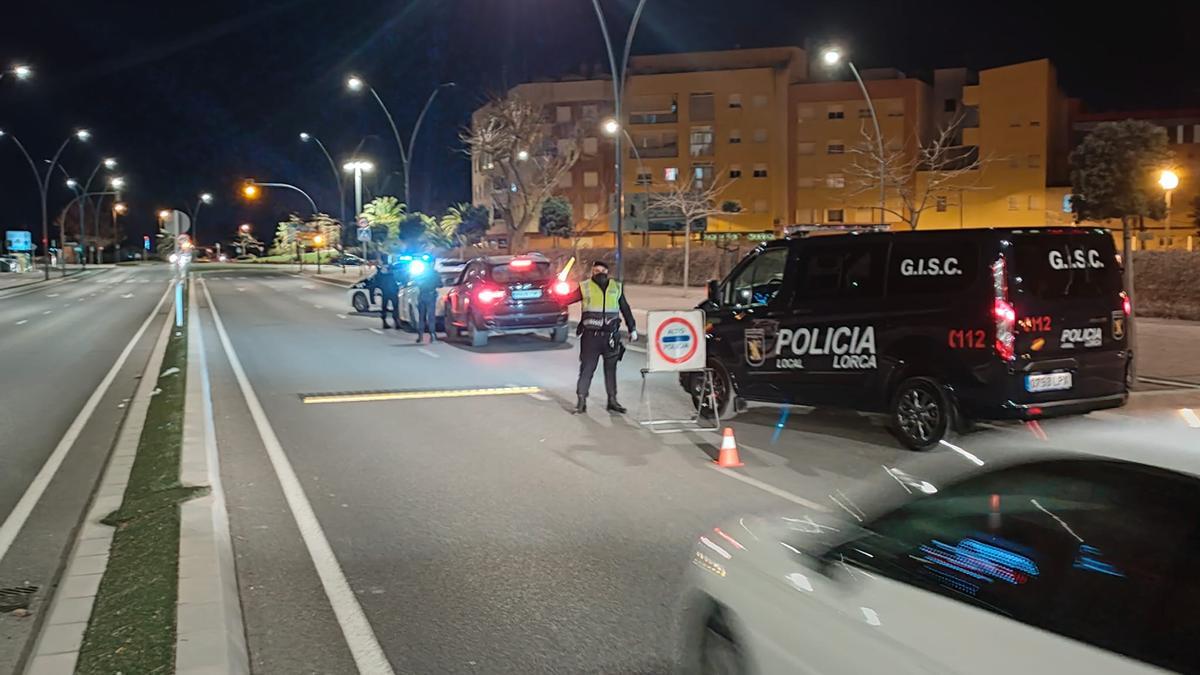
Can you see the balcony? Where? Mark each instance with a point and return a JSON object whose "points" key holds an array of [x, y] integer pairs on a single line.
{"points": [[662, 117], [658, 151]]}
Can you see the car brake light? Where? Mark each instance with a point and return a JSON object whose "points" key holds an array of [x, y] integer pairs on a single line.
{"points": [[1126, 303], [521, 263], [488, 295], [1003, 313], [561, 288]]}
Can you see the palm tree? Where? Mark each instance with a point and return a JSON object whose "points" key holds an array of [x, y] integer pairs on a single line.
{"points": [[384, 215]]}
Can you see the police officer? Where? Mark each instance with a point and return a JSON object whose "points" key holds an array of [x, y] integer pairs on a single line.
{"points": [[427, 282], [389, 291], [599, 333]]}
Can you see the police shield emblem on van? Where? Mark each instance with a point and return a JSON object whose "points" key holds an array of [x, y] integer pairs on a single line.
{"points": [[756, 346]]}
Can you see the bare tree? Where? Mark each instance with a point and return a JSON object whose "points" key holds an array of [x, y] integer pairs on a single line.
{"points": [[693, 200], [516, 148], [940, 167]]}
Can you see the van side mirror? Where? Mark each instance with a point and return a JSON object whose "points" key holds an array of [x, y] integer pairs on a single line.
{"points": [[714, 291]]}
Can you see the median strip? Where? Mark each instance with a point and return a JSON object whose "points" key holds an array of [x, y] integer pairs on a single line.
{"points": [[365, 396]]}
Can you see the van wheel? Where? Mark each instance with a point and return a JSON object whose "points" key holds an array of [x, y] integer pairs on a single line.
{"points": [[360, 303], [723, 389], [920, 413], [559, 334], [478, 338]]}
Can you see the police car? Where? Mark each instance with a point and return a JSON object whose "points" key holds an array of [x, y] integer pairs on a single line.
{"points": [[935, 329], [449, 270]]}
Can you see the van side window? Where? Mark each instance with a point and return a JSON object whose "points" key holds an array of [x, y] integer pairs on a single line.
{"points": [[759, 282], [840, 271], [931, 267]]}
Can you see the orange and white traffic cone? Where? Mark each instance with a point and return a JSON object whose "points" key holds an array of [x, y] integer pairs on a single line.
{"points": [[728, 458]]}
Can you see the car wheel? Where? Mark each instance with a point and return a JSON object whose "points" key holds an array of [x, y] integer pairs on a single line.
{"points": [[920, 413], [559, 334], [723, 390], [719, 651], [360, 303], [477, 337]]}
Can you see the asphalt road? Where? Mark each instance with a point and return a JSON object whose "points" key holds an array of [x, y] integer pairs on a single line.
{"points": [[58, 341], [495, 534]]}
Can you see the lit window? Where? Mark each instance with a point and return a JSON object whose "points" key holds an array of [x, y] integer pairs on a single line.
{"points": [[671, 174], [591, 178], [1035, 161], [702, 141], [590, 210], [563, 113], [940, 201], [835, 180], [590, 111], [760, 135], [760, 170], [735, 100], [1012, 204], [564, 146], [589, 146], [1034, 205], [835, 216]]}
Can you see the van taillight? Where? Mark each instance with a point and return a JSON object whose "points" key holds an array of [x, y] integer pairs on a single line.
{"points": [[1126, 304], [1003, 312]]}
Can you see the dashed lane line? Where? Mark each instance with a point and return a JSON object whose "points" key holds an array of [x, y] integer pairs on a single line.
{"points": [[430, 353], [22, 322], [375, 331]]}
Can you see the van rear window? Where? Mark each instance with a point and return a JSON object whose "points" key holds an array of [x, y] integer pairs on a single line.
{"points": [[1066, 266], [928, 267]]}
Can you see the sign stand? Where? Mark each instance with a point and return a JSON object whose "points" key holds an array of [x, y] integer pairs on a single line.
{"points": [[677, 346]]}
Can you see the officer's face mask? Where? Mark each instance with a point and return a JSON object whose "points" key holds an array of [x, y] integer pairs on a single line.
{"points": [[600, 277]]}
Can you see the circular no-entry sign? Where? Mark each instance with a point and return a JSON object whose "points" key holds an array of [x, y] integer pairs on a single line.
{"points": [[676, 340]]}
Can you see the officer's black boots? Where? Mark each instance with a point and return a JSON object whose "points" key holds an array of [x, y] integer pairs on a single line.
{"points": [[581, 406], [613, 406]]}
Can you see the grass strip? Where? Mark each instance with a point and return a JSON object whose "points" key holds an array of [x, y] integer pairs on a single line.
{"points": [[132, 627]]}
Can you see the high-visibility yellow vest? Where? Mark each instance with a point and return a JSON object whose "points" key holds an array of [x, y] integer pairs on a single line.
{"points": [[600, 306]]}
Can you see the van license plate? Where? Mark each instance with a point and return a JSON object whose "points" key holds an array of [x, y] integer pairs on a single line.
{"points": [[1047, 382], [527, 295]]}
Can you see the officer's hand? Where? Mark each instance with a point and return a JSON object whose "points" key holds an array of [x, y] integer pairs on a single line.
{"points": [[633, 336]]}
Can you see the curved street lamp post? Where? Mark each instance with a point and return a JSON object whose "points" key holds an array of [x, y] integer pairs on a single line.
{"points": [[337, 177]]}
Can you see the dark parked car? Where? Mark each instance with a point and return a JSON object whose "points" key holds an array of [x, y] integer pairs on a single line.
{"points": [[506, 295]]}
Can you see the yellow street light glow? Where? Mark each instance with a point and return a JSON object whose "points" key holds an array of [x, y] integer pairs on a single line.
{"points": [[164, 214], [120, 208], [318, 240], [245, 227], [250, 191], [366, 396], [1168, 180]]}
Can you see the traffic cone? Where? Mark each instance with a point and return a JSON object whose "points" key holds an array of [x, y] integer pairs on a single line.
{"points": [[728, 458]]}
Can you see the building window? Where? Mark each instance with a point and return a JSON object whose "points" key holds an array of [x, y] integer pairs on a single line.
{"points": [[644, 177], [804, 112], [590, 146], [1012, 204], [590, 111], [566, 180], [862, 215], [1179, 134], [806, 183], [806, 148], [835, 148], [835, 112], [1033, 203], [835, 180], [940, 200], [701, 107], [760, 100], [591, 179], [735, 171], [1035, 161], [591, 210], [760, 135], [949, 105], [702, 175], [864, 113], [760, 206], [895, 108], [1014, 120], [702, 141], [1014, 162], [835, 215], [1035, 123], [735, 100], [735, 136], [760, 170], [564, 146], [670, 174], [563, 113]]}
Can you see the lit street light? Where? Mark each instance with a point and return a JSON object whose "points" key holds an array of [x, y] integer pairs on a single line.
{"points": [[205, 198], [831, 57], [43, 183], [120, 208], [611, 126], [359, 167], [337, 177], [355, 83], [245, 228], [522, 155], [251, 190], [117, 182], [19, 71], [71, 183], [109, 164], [1168, 180]]}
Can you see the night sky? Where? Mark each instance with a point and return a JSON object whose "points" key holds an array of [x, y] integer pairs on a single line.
{"points": [[195, 96]]}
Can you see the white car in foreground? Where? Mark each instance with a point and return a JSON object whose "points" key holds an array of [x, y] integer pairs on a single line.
{"points": [[1019, 560]]}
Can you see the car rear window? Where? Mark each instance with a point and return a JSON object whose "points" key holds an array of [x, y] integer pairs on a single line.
{"points": [[506, 273], [1052, 266]]}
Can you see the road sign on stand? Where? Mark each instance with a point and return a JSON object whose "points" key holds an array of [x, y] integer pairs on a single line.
{"points": [[364, 229], [676, 341]]}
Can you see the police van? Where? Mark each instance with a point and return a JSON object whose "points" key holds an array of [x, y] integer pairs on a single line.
{"points": [[936, 329]]}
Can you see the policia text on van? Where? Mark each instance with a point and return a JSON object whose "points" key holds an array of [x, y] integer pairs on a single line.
{"points": [[933, 328]]}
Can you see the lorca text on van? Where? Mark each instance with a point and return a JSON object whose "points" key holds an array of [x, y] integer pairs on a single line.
{"points": [[852, 347]]}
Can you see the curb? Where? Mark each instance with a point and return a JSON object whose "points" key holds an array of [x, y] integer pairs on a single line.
{"points": [[56, 649], [32, 286], [331, 282], [210, 634]]}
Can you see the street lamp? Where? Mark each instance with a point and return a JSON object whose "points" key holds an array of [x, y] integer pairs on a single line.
{"points": [[356, 83], [359, 167], [204, 198], [109, 163], [120, 208], [522, 155], [618, 84], [164, 214], [251, 190], [43, 183], [1168, 180], [337, 177], [117, 182], [19, 71], [832, 56]]}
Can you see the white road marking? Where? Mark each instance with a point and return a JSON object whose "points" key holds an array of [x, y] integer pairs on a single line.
{"points": [[341, 316], [22, 322], [308, 287], [20, 513], [540, 397], [429, 353], [318, 307], [375, 331], [127, 295], [360, 636], [67, 305], [49, 311], [52, 295], [241, 289], [767, 487]]}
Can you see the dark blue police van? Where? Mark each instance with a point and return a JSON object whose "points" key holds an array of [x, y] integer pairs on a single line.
{"points": [[936, 329]]}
